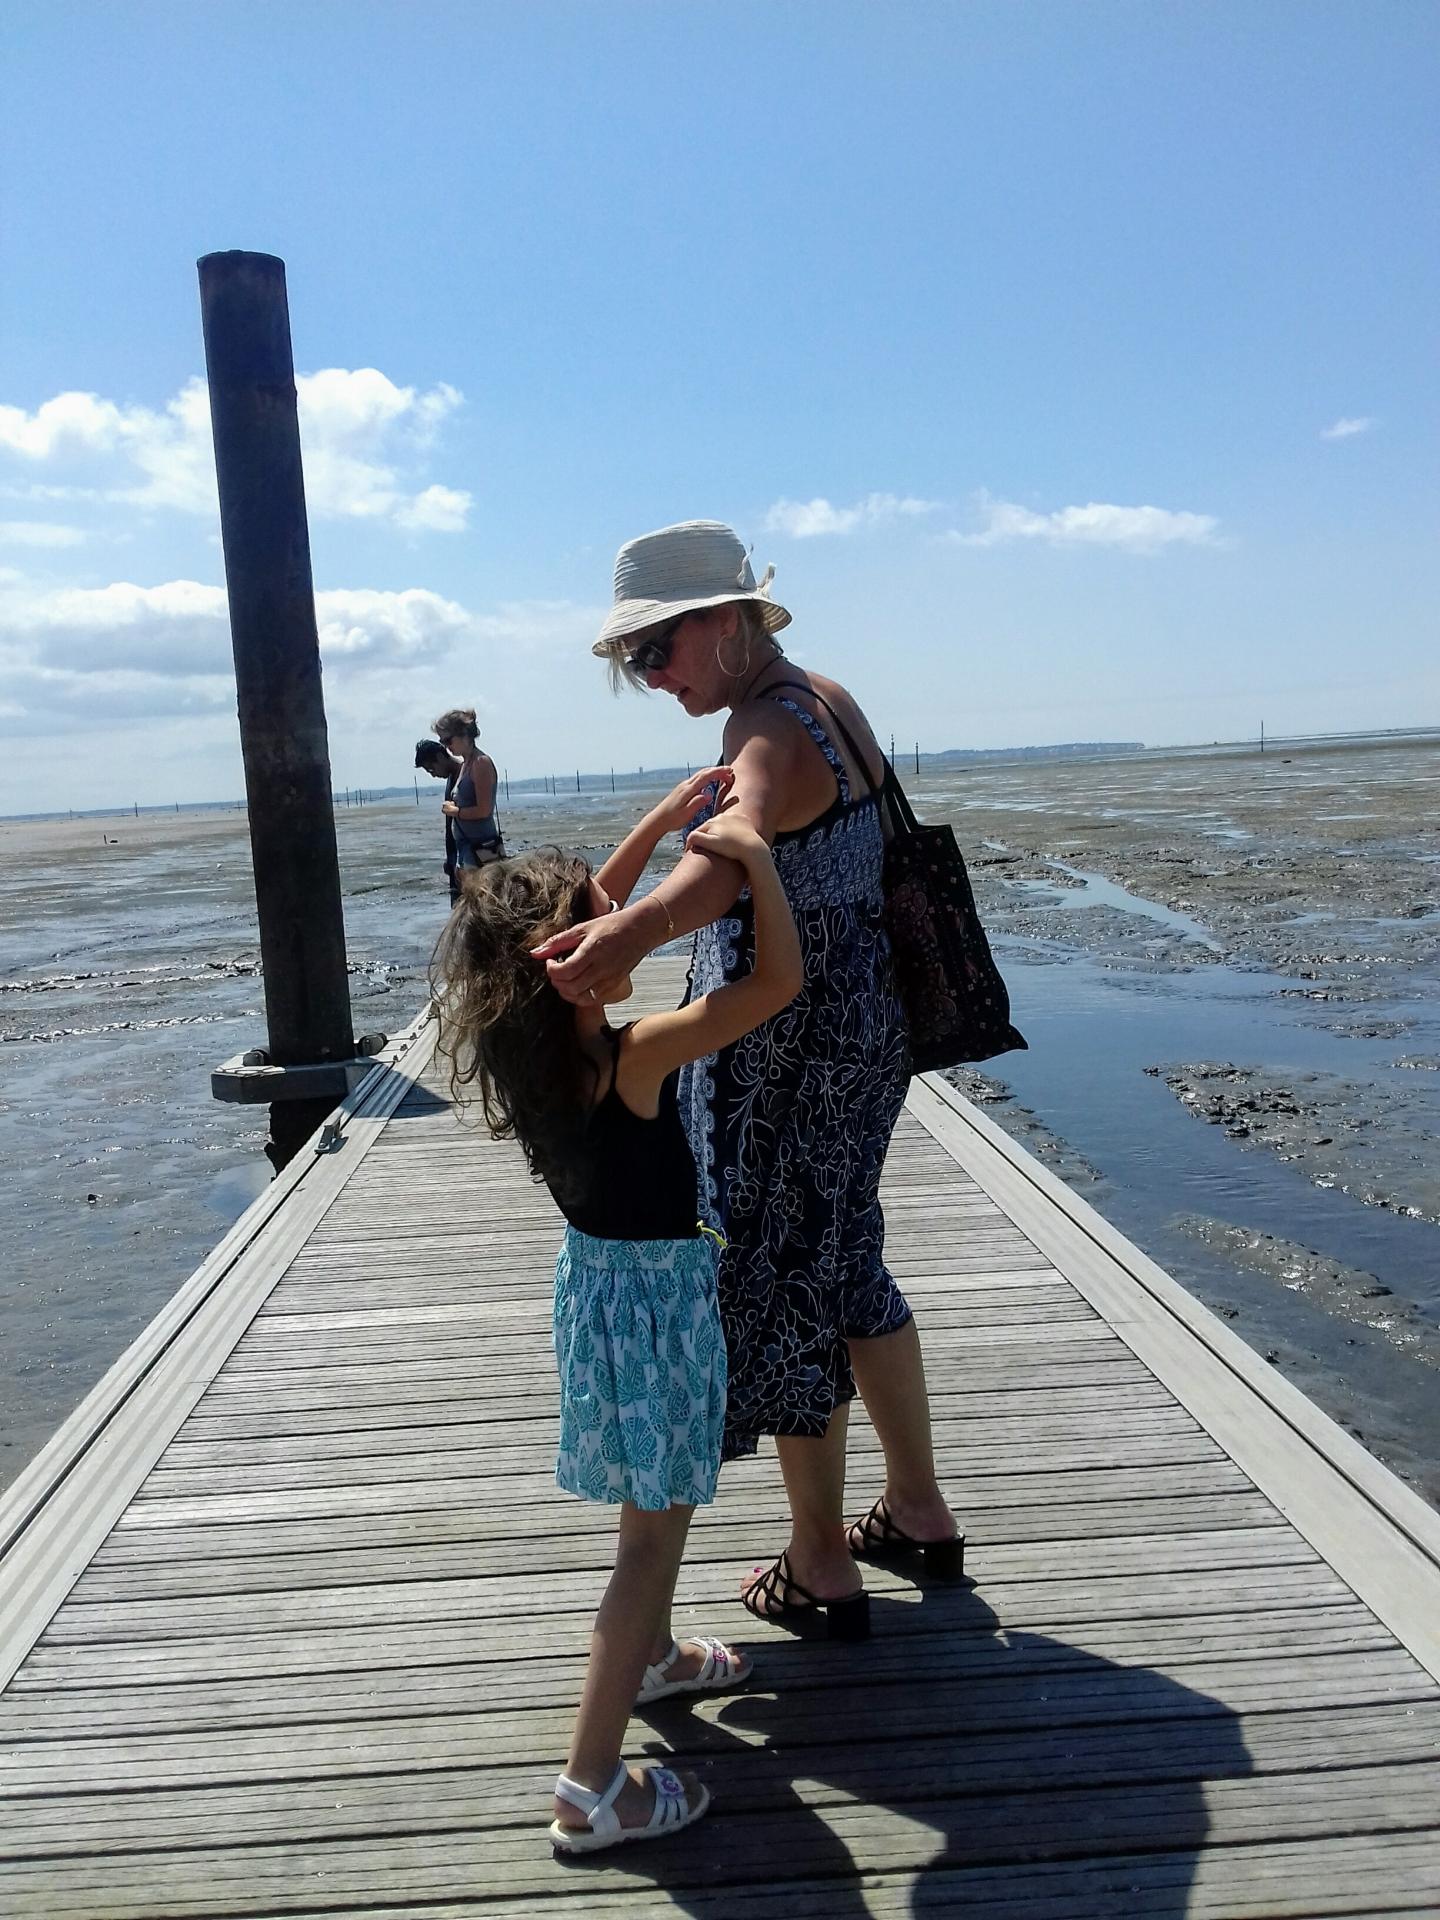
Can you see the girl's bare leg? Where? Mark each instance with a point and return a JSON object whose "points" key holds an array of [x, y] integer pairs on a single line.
{"points": [[632, 1629], [890, 1373]]}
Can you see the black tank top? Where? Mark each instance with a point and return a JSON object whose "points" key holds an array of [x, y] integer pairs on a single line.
{"points": [[636, 1177]]}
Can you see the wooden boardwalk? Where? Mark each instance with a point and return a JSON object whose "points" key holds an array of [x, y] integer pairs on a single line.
{"points": [[293, 1620]]}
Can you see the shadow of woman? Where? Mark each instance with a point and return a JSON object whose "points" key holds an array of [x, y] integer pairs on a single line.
{"points": [[950, 1764]]}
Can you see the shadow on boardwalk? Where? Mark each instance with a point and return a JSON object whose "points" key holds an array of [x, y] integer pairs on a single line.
{"points": [[947, 1750]]}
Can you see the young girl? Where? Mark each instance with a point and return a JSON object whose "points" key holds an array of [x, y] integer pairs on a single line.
{"points": [[637, 1325]]}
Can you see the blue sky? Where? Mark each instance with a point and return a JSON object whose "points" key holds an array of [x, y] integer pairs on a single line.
{"points": [[1073, 365]]}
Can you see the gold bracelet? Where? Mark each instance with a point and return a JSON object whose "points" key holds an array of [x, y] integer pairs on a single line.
{"points": [[669, 923]]}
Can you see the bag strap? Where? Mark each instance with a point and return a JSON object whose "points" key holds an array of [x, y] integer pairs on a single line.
{"points": [[779, 686], [889, 792]]}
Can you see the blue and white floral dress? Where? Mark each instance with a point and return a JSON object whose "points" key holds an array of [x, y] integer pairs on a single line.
{"points": [[790, 1126], [637, 1322]]}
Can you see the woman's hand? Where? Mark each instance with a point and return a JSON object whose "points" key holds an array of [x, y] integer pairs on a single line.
{"points": [[449, 806], [595, 954], [680, 806]]}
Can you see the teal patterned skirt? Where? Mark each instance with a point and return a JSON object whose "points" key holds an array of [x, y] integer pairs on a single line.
{"points": [[642, 1370]]}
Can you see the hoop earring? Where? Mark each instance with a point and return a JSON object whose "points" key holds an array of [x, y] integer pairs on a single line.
{"points": [[735, 673]]}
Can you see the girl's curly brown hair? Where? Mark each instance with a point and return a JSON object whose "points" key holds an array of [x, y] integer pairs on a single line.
{"points": [[502, 1024]]}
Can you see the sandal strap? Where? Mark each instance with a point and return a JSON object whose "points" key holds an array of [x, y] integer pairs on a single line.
{"points": [[598, 1808], [717, 1660], [658, 1675], [878, 1528], [768, 1587], [672, 1805]]}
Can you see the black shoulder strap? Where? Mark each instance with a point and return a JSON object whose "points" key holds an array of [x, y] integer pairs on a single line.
{"points": [[889, 793], [779, 686]]}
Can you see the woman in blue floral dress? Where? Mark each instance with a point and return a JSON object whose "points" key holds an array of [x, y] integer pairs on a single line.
{"points": [[790, 1126]]}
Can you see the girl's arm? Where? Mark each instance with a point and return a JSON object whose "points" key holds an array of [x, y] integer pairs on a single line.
{"points": [[661, 1042], [627, 863]]}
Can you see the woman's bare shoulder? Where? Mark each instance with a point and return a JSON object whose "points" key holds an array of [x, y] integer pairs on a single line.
{"points": [[843, 701]]}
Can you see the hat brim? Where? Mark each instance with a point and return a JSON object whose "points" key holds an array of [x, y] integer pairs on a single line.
{"points": [[628, 618]]}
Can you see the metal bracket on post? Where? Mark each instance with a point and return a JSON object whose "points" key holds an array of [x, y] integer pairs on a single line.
{"points": [[252, 1077]]}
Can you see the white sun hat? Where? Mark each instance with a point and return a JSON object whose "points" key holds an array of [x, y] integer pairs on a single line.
{"points": [[679, 569]]}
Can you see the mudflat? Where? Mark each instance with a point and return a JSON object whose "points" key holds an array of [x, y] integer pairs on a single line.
{"points": [[103, 835]]}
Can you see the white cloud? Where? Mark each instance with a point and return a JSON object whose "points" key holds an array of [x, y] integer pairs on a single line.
{"points": [[805, 519], [1346, 429], [1135, 529], [71, 422], [38, 533], [136, 652], [436, 510], [398, 629], [361, 437]]}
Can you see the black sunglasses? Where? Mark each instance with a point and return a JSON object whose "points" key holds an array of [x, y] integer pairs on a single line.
{"points": [[654, 653]]}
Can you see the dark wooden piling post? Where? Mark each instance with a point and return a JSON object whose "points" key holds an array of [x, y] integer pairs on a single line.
{"points": [[277, 656]]}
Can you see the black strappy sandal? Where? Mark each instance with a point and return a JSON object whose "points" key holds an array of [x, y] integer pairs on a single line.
{"points": [[778, 1595], [877, 1537]]}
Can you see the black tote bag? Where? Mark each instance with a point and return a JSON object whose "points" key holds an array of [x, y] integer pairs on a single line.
{"points": [[956, 1005]]}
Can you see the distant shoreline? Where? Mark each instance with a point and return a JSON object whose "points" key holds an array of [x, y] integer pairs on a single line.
{"points": [[213, 813]]}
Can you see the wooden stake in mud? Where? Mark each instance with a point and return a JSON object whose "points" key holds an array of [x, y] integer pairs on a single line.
{"points": [[277, 657]]}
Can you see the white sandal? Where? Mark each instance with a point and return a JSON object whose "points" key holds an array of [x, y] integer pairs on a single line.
{"points": [[671, 1812], [722, 1667]]}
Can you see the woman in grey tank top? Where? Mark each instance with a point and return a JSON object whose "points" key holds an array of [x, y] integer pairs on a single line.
{"points": [[471, 808]]}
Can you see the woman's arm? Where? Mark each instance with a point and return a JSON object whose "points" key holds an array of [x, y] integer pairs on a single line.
{"points": [[659, 1043], [702, 886], [482, 775], [625, 866]]}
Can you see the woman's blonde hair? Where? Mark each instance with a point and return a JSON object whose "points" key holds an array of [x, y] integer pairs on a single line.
{"points": [[503, 1026]]}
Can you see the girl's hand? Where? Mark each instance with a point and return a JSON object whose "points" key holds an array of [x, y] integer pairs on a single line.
{"points": [[680, 806], [731, 836], [596, 954], [449, 806]]}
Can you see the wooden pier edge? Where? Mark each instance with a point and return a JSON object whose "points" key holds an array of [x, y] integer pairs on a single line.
{"points": [[141, 1402], [1377, 1534]]}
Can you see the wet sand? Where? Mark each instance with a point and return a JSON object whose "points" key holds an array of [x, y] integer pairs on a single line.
{"points": [[54, 840], [1170, 913]]}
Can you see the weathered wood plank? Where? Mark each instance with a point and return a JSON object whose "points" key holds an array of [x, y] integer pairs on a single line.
{"points": [[1269, 1743], [789, 1843], [1085, 1558], [469, 1680], [449, 1736]]}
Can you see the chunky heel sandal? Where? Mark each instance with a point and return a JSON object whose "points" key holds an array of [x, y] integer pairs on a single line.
{"points": [[672, 1811], [778, 1595], [877, 1537]]}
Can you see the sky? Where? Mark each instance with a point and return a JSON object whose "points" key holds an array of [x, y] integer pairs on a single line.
{"points": [[1074, 366]]}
